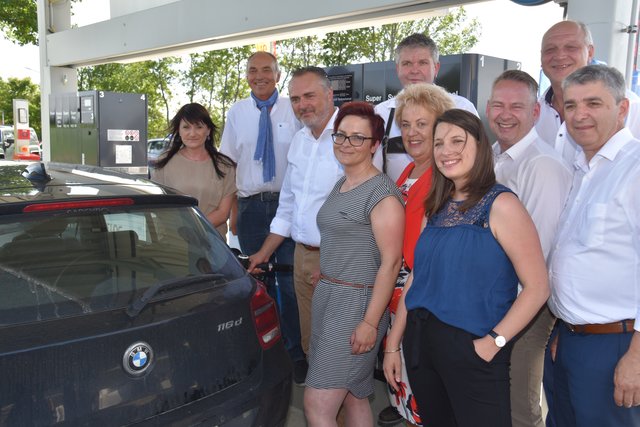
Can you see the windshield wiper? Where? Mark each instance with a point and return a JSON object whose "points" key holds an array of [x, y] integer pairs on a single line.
{"points": [[136, 307]]}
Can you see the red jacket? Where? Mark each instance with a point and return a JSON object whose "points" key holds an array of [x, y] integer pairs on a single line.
{"points": [[414, 210]]}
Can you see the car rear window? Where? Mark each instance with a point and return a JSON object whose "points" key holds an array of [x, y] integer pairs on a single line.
{"points": [[54, 265]]}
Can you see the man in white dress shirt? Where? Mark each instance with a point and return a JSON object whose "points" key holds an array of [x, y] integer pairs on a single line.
{"points": [[542, 180], [566, 47], [257, 135], [417, 61], [594, 264], [312, 171]]}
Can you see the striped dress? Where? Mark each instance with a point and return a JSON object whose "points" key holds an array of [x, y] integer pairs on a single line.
{"points": [[348, 255]]}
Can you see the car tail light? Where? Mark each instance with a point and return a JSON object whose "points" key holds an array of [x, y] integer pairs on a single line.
{"points": [[265, 317], [81, 204]]}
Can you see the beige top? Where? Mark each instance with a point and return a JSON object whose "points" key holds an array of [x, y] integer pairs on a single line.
{"points": [[198, 179]]}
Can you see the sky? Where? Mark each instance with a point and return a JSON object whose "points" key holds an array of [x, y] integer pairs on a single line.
{"points": [[509, 31]]}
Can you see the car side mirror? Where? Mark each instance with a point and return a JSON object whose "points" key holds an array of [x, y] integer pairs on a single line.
{"points": [[9, 141]]}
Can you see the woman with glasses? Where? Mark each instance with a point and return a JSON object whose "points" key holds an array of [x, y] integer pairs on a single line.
{"points": [[361, 226], [459, 310]]}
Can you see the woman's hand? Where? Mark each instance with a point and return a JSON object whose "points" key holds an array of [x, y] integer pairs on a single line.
{"points": [[363, 338], [392, 366], [486, 348]]}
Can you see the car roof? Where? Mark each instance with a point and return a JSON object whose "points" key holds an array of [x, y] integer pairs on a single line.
{"points": [[27, 182]]}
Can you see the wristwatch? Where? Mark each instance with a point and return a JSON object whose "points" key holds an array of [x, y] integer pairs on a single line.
{"points": [[498, 339]]}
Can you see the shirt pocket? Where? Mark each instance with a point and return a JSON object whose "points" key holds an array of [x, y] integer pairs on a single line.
{"points": [[592, 228], [283, 132]]}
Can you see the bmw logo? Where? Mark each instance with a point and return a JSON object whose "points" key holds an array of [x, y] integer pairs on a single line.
{"points": [[137, 358]]}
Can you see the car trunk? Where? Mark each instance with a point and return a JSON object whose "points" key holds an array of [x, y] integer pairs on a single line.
{"points": [[189, 346]]}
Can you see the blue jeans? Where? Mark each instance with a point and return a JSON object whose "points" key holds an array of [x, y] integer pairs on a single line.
{"points": [[254, 219]]}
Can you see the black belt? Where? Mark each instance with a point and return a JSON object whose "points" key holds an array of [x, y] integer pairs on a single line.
{"points": [[267, 196]]}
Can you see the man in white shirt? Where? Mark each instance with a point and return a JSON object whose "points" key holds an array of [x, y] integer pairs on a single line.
{"points": [[257, 135], [594, 264], [312, 171], [542, 180], [417, 61], [566, 47]]}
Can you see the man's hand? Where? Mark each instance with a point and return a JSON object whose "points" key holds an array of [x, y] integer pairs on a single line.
{"points": [[626, 377], [255, 259]]}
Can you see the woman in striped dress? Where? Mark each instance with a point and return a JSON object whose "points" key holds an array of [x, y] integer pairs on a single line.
{"points": [[361, 227]]}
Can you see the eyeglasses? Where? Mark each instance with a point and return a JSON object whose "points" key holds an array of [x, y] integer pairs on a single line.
{"points": [[354, 140]]}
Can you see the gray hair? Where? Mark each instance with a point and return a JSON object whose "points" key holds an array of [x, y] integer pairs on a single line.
{"points": [[520, 77], [612, 79], [317, 71], [418, 40], [588, 38], [275, 66]]}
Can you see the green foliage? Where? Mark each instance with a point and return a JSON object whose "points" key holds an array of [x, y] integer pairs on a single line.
{"points": [[14, 88], [296, 53], [216, 79], [19, 21]]}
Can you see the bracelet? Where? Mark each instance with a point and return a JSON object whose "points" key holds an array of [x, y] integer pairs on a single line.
{"points": [[369, 324], [392, 351]]}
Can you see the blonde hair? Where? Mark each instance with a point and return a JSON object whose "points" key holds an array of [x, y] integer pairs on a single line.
{"points": [[426, 95]]}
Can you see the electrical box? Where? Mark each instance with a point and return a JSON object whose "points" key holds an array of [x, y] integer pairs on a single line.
{"points": [[106, 129]]}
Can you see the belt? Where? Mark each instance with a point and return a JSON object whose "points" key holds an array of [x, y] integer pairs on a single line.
{"points": [[342, 282], [267, 196], [310, 248], [620, 327]]}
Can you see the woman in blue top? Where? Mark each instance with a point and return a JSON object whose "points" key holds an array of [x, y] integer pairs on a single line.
{"points": [[459, 310]]}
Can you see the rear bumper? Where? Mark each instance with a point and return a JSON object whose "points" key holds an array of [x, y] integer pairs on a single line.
{"points": [[261, 402]]}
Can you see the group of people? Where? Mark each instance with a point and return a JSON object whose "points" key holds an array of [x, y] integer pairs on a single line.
{"points": [[454, 258]]}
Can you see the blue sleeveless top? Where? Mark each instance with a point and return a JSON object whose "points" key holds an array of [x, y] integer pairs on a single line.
{"points": [[461, 273]]}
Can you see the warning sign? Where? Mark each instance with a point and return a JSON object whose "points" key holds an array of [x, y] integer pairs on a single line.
{"points": [[123, 135]]}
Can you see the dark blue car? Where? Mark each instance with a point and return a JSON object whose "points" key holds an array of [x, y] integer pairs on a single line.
{"points": [[121, 305]]}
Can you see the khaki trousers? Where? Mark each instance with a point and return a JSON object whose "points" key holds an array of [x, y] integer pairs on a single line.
{"points": [[306, 263], [527, 361]]}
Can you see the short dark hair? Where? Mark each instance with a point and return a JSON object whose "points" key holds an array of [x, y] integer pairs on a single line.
{"points": [[520, 77], [611, 78], [319, 72], [194, 113], [418, 40], [364, 110], [481, 176]]}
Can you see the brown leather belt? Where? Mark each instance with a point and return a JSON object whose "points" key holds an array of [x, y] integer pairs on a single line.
{"points": [[342, 282], [310, 248], [621, 327]]}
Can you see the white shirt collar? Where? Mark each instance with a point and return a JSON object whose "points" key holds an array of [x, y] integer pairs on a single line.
{"points": [[519, 147]]}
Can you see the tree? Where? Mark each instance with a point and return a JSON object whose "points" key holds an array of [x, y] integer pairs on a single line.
{"points": [[216, 79], [19, 21], [296, 53], [14, 88]]}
